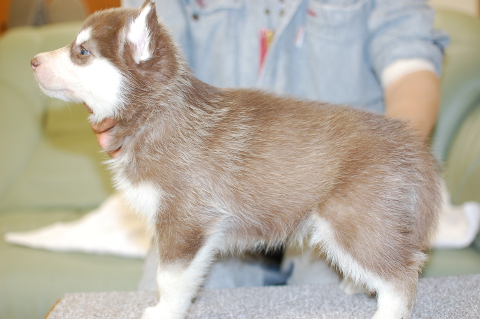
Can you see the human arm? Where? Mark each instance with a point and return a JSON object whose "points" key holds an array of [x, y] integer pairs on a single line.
{"points": [[414, 97], [407, 53]]}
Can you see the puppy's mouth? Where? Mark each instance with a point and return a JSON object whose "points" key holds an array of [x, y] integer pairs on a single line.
{"points": [[53, 92], [58, 92]]}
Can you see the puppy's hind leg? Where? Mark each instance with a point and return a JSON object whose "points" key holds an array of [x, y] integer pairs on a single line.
{"points": [[394, 300], [396, 292], [395, 285]]}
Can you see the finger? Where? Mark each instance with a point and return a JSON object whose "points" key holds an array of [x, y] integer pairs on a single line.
{"points": [[89, 110], [103, 139], [115, 153], [103, 126]]}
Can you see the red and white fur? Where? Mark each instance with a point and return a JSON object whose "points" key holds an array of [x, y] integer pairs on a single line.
{"points": [[227, 170]]}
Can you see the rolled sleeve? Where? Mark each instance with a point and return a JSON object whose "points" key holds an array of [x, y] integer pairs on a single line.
{"points": [[403, 30], [402, 67]]}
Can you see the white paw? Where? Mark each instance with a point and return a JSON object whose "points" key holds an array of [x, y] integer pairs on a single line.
{"points": [[151, 313], [160, 312]]}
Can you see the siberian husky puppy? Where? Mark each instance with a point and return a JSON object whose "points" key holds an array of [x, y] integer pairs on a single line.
{"points": [[221, 170]]}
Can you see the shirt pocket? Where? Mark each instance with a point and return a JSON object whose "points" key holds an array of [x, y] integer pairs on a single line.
{"points": [[208, 17], [215, 37], [337, 21]]}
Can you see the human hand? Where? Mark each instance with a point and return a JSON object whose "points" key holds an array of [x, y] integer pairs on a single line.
{"points": [[102, 131]]}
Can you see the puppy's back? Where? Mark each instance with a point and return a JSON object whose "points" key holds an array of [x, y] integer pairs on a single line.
{"points": [[285, 157]]}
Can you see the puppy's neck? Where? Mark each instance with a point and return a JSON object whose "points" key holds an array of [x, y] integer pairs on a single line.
{"points": [[184, 107]]}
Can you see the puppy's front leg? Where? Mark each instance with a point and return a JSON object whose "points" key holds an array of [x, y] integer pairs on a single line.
{"points": [[178, 279]]}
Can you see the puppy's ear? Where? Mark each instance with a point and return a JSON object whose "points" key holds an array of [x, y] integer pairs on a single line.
{"points": [[140, 31]]}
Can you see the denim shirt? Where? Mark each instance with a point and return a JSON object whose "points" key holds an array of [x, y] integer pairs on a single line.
{"points": [[329, 50]]}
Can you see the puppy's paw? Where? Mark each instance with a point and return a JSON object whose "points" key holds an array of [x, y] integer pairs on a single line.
{"points": [[160, 312], [152, 313]]}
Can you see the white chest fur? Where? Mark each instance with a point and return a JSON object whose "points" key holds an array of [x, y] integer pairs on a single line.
{"points": [[145, 196]]}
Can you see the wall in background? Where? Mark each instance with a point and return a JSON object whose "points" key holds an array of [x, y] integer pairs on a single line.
{"points": [[4, 15], [471, 7], [27, 5], [94, 5]]}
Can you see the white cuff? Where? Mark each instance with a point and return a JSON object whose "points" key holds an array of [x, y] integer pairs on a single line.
{"points": [[400, 68]]}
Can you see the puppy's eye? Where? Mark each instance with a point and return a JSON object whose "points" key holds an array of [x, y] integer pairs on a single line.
{"points": [[84, 51]]}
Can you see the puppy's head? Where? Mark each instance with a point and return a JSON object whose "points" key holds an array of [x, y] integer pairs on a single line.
{"points": [[114, 60]]}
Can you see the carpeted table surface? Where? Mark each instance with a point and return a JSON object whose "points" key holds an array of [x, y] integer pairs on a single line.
{"points": [[441, 297]]}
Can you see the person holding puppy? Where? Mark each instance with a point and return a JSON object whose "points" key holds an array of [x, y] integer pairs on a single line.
{"points": [[380, 55]]}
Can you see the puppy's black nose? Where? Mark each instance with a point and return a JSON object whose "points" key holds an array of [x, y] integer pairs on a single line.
{"points": [[35, 63]]}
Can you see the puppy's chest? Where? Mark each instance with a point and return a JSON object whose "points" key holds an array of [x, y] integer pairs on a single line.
{"points": [[143, 195]]}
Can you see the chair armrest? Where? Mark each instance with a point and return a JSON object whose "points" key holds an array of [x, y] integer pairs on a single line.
{"points": [[460, 79]]}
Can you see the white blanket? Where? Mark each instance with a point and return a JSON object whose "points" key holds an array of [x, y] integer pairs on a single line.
{"points": [[112, 229]]}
